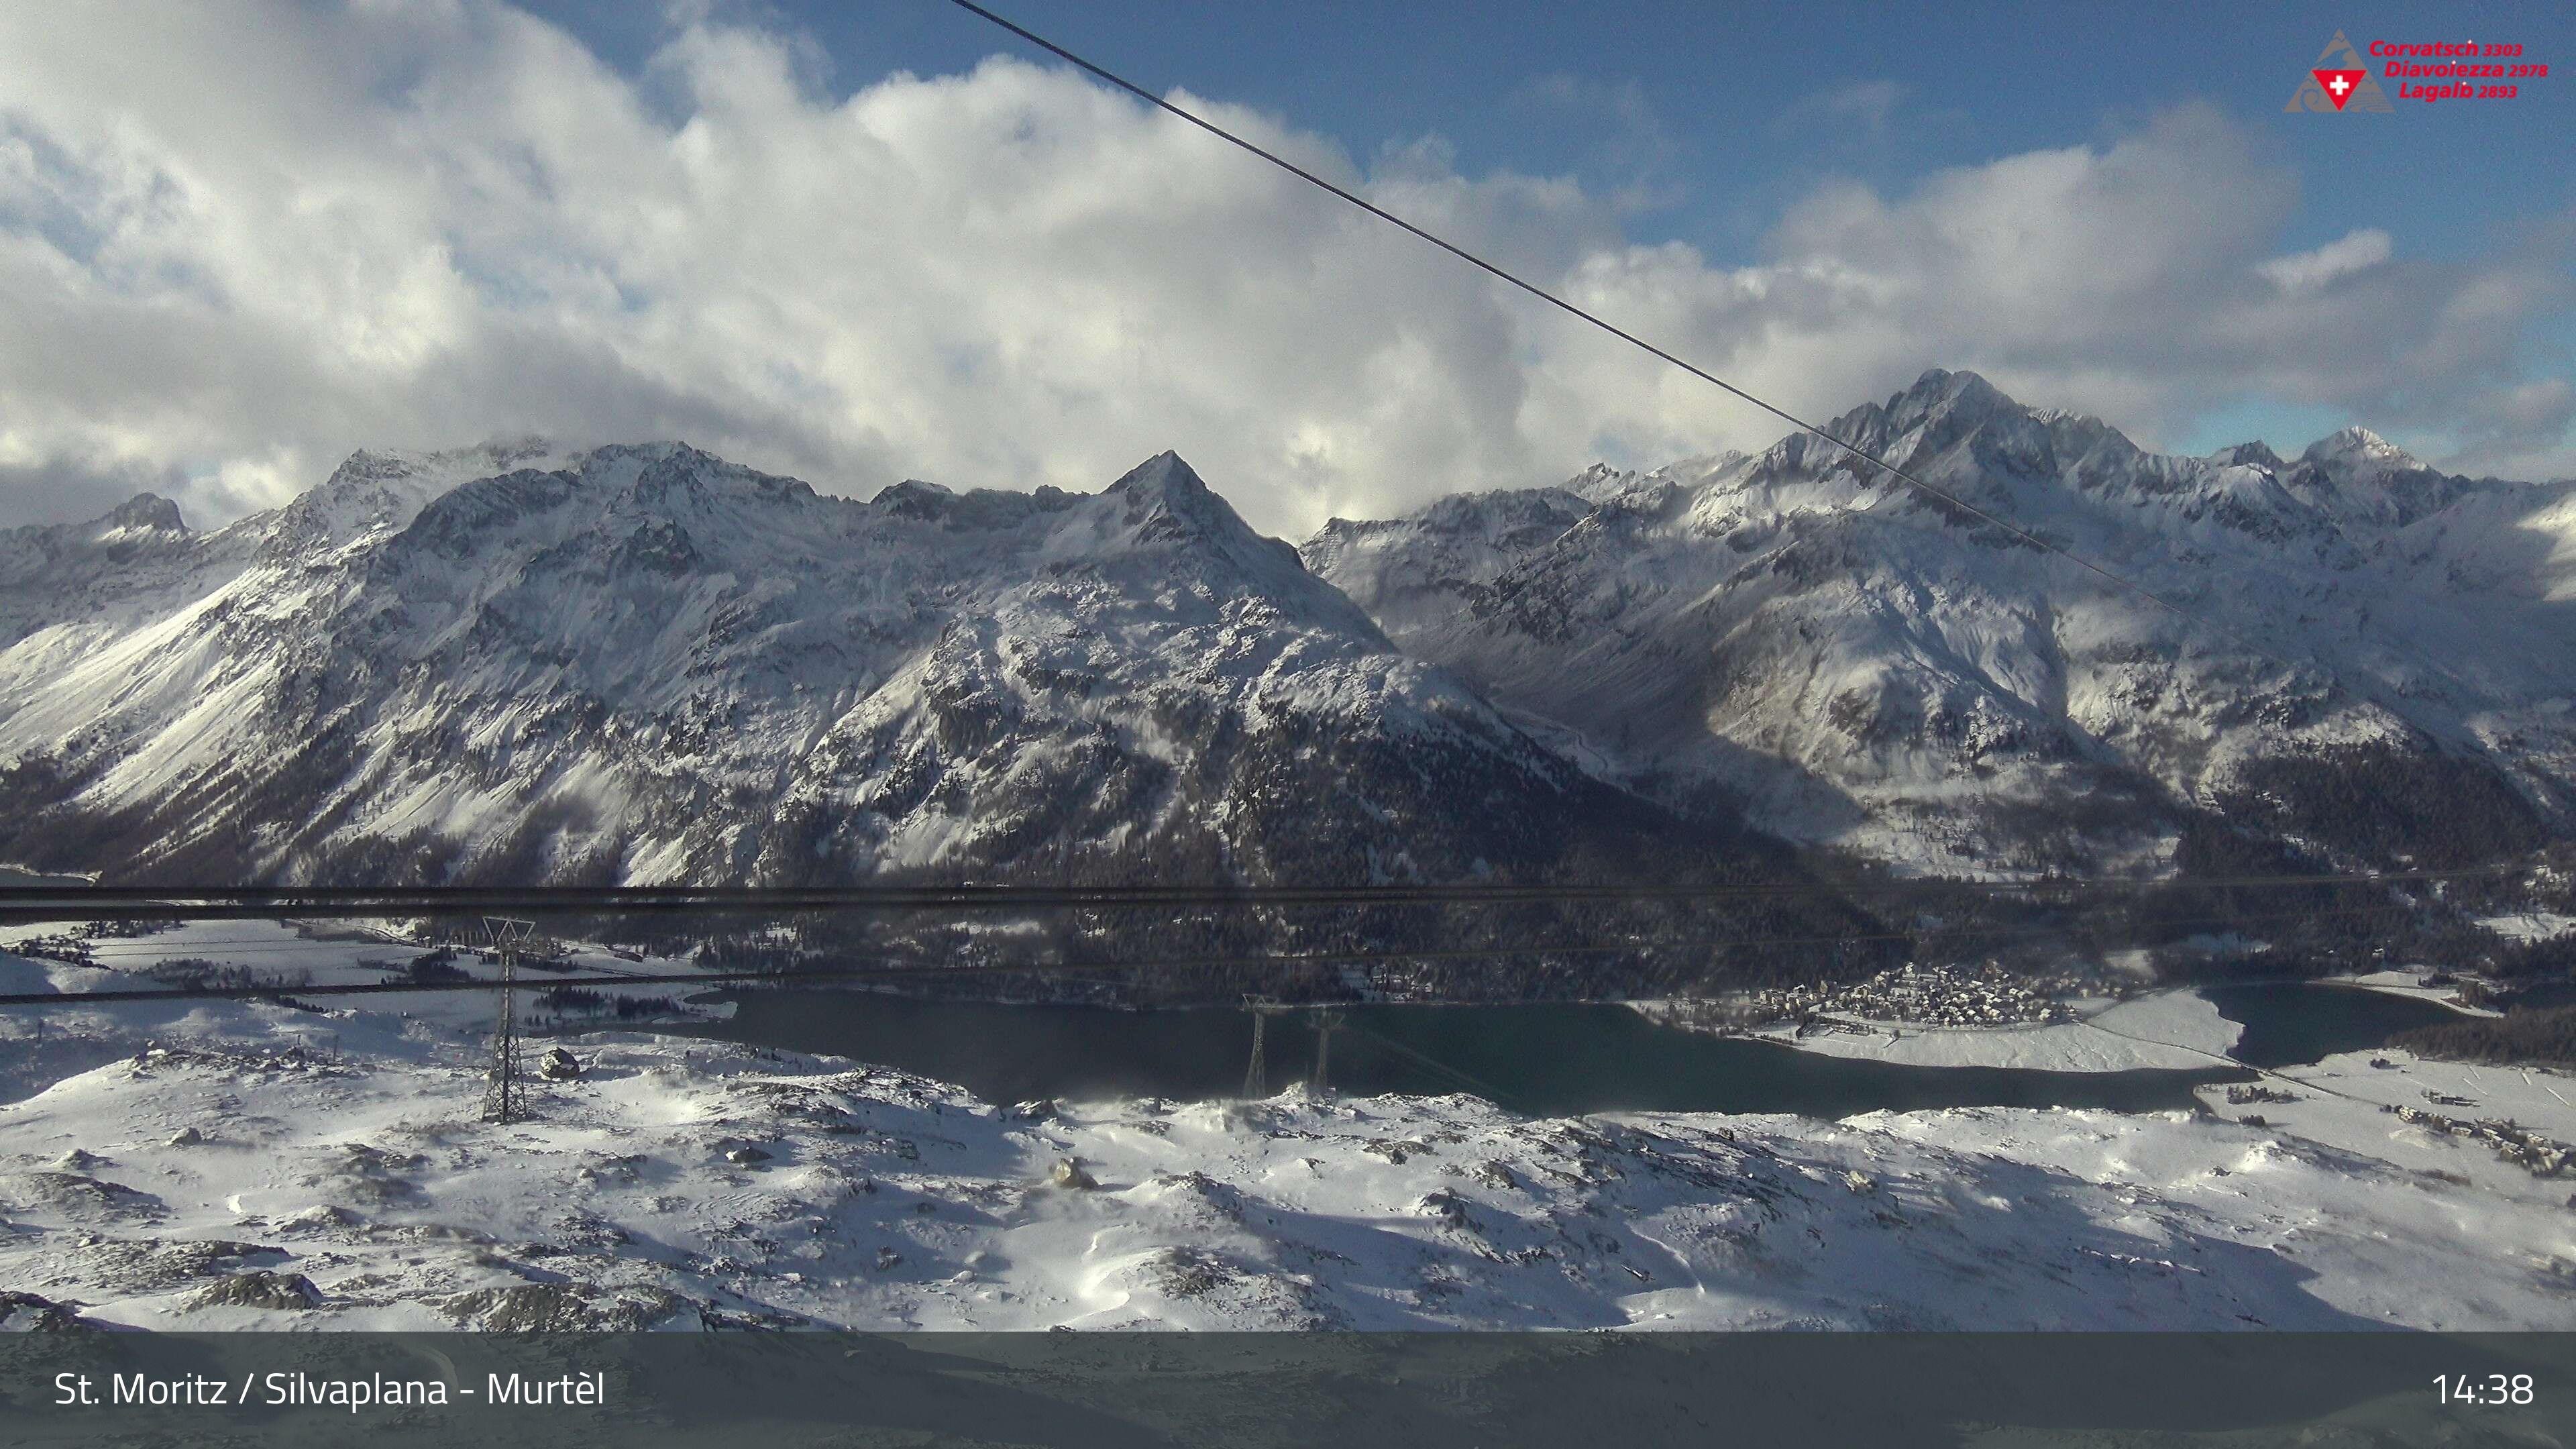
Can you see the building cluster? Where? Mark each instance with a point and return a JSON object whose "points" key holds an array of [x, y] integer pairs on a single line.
{"points": [[70, 950], [1929, 995], [2515, 1143], [72, 947]]}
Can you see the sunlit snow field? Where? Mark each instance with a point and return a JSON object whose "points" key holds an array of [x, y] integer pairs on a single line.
{"points": [[230, 1165]]}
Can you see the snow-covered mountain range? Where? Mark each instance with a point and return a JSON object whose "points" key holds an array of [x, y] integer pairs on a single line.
{"points": [[2363, 656], [643, 664]]}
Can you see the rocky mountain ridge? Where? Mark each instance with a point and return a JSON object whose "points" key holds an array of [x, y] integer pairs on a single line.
{"points": [[644, 664], [2366, 658]]}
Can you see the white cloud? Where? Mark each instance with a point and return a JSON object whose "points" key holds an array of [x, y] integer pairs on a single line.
{"points": [[2135, 280], [2352, 252], [235, 246]]}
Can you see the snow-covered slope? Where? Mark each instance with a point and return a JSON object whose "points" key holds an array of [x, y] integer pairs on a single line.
{"points": [[240, 1177], [2366, 656], [645, 664]]}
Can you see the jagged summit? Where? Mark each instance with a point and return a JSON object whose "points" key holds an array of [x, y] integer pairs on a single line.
{"points": [[1167, 487], [1951, 428], [912, 494], [377, 492], [2359, 449], [2248, 455], [1164, 506], [144, 511], [1939, 390], [1952, 404], [1163, 476]]}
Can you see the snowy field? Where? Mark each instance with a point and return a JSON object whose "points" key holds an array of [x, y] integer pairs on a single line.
{"points": [[268, 1167], [2405, 983], [2341, 1103], [2529, 926]]}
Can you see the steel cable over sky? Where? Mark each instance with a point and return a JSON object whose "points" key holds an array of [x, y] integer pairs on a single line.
{"points": [[1633, 340]]}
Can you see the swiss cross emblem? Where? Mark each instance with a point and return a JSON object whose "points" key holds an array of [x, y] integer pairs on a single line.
{"points": [[2339, 83]]}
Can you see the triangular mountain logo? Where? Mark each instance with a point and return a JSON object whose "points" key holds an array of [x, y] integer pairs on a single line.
{"points": [[2339, 82]]}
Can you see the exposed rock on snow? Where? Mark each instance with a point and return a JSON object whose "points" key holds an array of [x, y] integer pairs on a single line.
{"points": [[29, 1313], [562, 1307], [259, 1288]]}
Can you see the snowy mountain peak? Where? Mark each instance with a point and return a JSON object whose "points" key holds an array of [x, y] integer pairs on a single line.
{"points": [[145, 523], [143, 513], [382, 491], [1950, 406], [1956, 426], [1942, 391], [2361, 450], [1600, 483], [1168, 503], [2248, 455], [387, 467], [1166, 481], [913, 498], [662, 475]]}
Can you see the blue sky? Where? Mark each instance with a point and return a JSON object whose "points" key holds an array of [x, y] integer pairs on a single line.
{"points": [[845, 241], [1734, 102], [1715, 117]]}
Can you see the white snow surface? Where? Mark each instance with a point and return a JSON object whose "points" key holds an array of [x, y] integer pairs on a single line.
{"points": [[2410, 984], [2528, 926], [2340, 1102], [688, 1184]]}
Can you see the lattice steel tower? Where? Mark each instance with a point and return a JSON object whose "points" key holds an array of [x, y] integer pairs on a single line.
{"points": [[1256, 1077], [501, 1099]]}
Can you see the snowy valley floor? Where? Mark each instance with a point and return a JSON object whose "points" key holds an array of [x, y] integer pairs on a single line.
{"points": [[270, 1168]]}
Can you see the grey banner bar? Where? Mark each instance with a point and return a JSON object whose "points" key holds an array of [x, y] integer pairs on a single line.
{"points": [[1344, 1390]]}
